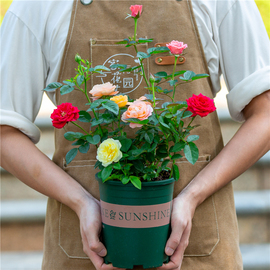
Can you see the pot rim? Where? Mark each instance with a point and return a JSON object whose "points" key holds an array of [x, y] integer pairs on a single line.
{"points": [[150, 183]]}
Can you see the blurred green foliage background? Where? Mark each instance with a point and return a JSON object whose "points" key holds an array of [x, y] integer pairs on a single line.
{"points": [[263, 5]]}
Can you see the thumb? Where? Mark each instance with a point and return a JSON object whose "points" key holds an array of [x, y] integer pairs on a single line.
{"points": [[96, 246], [174, 239]]}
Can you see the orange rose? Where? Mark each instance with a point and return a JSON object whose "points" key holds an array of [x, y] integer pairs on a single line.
{"points": [[105, 89], [120, 100], [138, 109]]}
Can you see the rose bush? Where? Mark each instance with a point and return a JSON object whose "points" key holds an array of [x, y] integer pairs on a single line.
{"points": [[63, 114], [165, 129], [200, 105]]}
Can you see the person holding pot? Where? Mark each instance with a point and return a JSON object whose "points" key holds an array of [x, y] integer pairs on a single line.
{"points": [[39, 42]]}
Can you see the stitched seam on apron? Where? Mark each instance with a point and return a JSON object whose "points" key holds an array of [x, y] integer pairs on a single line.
{"points": [[198, 39], [211, 251], [74, 257], [66, 53]]}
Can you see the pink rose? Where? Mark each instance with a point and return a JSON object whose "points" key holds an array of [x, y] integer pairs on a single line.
{"points": [[200, 105], [136, 11], [140, 110], [63, 114], [176, 47], [105, 89]]}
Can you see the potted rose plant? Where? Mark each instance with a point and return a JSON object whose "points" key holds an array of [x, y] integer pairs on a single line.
{"points": [[137, 173]]}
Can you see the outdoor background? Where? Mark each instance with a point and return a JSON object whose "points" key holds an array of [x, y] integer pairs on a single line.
{"points": [[23, 209]]}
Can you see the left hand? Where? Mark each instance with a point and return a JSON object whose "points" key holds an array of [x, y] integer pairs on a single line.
{"points": [[181, 222]]}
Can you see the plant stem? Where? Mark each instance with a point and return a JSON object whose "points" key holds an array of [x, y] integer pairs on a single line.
{"points": [[174, 87], [89, 100], [191, 121], [80, 127], [135, 28]]}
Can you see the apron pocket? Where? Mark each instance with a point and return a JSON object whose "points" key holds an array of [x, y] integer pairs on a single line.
{"points": [[70, 240], [107, 53], [204, 235]]}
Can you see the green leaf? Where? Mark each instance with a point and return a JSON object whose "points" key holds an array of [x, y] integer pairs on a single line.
{"points": [[172, 82], [191, 152], [145, 40], [80, 79], [98, 163], [53, 86], [106, 172], [143, 55], [177, 147], [69, 83], [84, 117], [66, 89], [101, 67], [178, 73], [161, 121], [136, 181], [161, 74], [125, 41], [72, 136], [164, 164], [155, 50], [93, 139], [176, 156], [192, 138], [138, 164], [117, 166], [188, 75], [96, 122], [96, 103], [176, 173], [79, 142], [84, 148], [126, 143], [115, 66], [149, 137], [186, 114], [199, 76], [137, 121], [71, 154], [111, 106], [125, 180]]}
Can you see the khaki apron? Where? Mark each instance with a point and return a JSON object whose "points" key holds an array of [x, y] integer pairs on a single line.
{"points": [[94, 30]]}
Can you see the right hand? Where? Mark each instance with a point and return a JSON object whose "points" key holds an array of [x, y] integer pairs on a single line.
{"points": [[90, 226]]}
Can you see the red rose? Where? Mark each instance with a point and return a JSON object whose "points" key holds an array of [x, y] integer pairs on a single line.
{"points": [[136, 11], [63, 114], [200, 105]]}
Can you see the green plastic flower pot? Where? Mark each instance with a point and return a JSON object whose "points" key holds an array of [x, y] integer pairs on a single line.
{"points": [[136, 223]]}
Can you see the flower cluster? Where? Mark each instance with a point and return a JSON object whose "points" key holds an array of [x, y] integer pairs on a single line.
{"points": [[164, 133]]}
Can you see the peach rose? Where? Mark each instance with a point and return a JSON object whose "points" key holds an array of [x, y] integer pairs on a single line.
{"points": [[176, 47], [105, 89], [120, 100], [138, 109]]}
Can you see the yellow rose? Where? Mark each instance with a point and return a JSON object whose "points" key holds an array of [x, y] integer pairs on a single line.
{"points": [[120, 100], [109, 152]]}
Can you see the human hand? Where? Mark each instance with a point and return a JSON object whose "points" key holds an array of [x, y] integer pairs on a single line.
{"points": [[90, 226], [181, 222]]}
